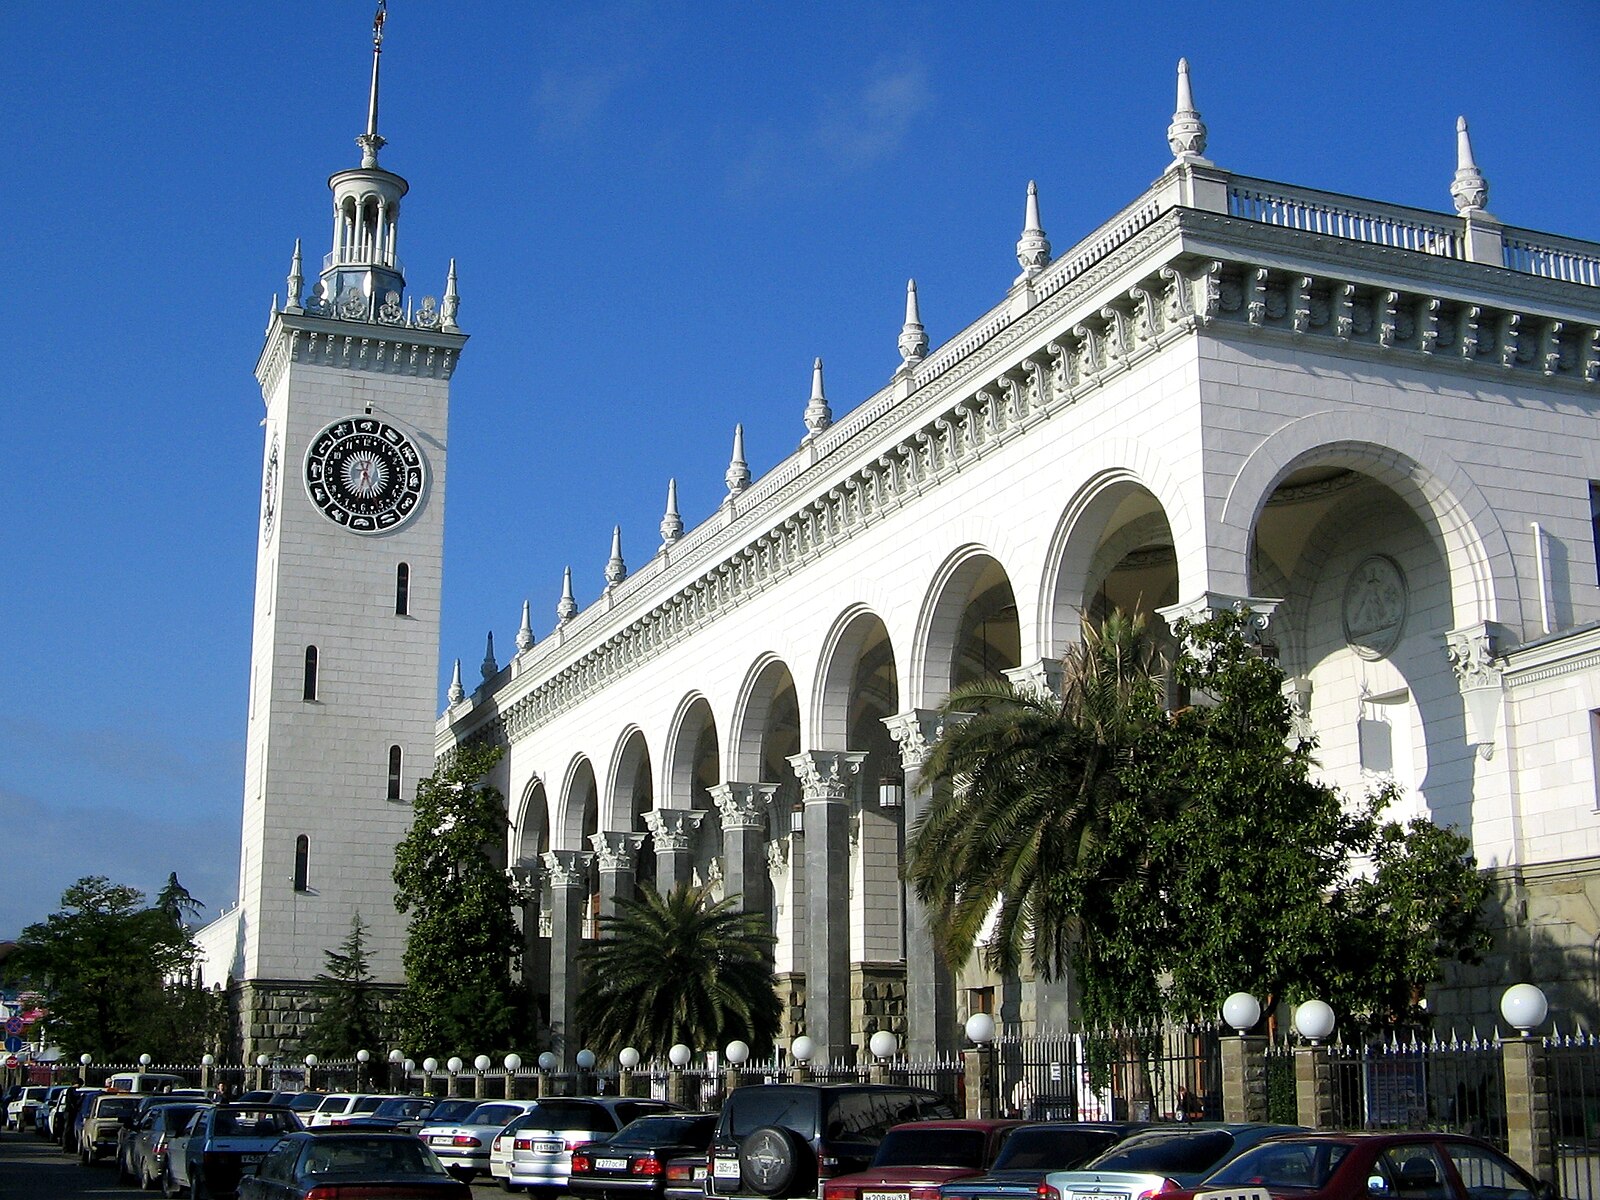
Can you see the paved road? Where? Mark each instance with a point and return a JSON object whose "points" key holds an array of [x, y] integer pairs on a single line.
{"points": [[34, 1169]]}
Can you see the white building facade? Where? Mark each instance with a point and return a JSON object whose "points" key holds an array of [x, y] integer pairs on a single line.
{"points": [[1372, 426]]}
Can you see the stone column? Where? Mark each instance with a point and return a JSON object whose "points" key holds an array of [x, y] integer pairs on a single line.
{"points": [[568, 871], [744, 808], [1313, 1088], [1244, 1078], [930, 988], [673, 831], [617, 854], [527, 886], [827, 778], [1530, 1133]]}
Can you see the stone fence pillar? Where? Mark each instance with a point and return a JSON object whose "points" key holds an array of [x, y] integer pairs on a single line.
{"points": [[1244, 1078], [678, 1088], [1313, 1087], [1530, 1133], [979, 1083]]}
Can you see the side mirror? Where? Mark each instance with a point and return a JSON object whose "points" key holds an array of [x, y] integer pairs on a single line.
{"points": [[1377, 1185]]}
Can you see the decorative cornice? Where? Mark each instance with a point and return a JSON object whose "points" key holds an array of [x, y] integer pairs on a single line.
{"points": [[305, 338]]}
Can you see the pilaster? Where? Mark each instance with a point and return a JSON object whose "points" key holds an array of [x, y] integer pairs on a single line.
{"points": [[1480, 675]]}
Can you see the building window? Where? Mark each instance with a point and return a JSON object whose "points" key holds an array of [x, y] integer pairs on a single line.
{"points": [[402, 590], [309, 691], [396, 757], [302, 862]]}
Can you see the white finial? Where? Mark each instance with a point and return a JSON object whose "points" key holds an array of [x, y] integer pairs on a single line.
{"points": [[525, 633], [671, 522], [457, 693], [1470, 189], [369, 141], [737, 476], [272, 312], [616, 569], [1033, 248], [297, 280], [489, 667], [452, 300], [818, 415], [568, 607], [1187, 133], [913, 337]]}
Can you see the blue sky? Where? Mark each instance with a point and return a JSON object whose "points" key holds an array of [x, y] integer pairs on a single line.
{"points": [[661, 214]]}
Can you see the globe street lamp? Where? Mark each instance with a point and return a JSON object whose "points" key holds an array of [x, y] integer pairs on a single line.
{"points": [[1241, 1010], [980, 1031], [1314, 1021], [261, 1069], [1524, 1007]]}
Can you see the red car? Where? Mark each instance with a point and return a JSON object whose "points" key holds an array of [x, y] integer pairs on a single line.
{"points": [[915, 1158], [1372, 1166]]}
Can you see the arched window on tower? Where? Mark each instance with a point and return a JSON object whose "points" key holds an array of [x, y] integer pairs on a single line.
{"points": [[396, 758], [302, 862], [309, 690], [402, 590]]}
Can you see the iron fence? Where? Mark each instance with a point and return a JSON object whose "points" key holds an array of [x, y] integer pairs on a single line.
{"points": [[1573, 1062], [1172, 1073], [1456, 1085]]}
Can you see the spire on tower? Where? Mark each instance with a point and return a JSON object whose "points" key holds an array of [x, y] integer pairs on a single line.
{"points": [[525, 631], [818, 415], [1470, 190], [297, 279], [913, 337], [370, 141], [616, 569], [568, 607], [1033, 248], [671, 522], [457, 693], [737, 475], [489, 667], [452, 301], [1187, 133]]}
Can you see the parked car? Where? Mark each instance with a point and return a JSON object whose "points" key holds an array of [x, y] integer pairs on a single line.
{"points": [[537, 1151], [1159, 1160], [145, 1081], [782, 1139], [306, 1103], [623, 1164], [1032, 1152], [221, 1144], [340, 1161], [913, 1160], [1366, 1166], [142, 1155], [106, 1115], [463, 1146], [49, 1107], [404, 1113], [23, 1107], [338, 1107]]}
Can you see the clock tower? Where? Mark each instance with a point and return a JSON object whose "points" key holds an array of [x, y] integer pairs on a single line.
{"points": [[344, 666]]}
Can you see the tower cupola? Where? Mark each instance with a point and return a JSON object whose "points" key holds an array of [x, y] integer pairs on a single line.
{"points": [[363, 267]]}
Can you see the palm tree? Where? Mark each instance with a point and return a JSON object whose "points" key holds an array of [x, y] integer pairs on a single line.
{"points": [[1022, 796], [678, 968]]}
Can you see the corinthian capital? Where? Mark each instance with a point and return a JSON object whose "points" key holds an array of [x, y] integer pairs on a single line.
{"points": [[616, 851], [673, 828], [744, 805], [825, 775], [567, 868]]}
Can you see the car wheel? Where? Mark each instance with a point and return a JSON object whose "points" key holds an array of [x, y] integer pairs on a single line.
{"points": [[464, 1174], [146, 1180], [169, 1185], [124, 1176], [83, 1156], [197, 1187], [777, 1162]]}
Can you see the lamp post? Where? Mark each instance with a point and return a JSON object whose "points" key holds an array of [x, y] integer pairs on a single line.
{"points": [[261, 1070], [311, 1066], [480, 1064], [884, 1046], [429, 1066], [677, 1082], [207, 1061], [802, 1050], [547, 1063], [584, 1060], [396, 1057], [454, 1067], [83, 1069], [1529, 1132], [980, 1066], [737, 1053], [1244, 1061], [363, 1057], [1313, 1069], [627, 1060], [513, 1064]]}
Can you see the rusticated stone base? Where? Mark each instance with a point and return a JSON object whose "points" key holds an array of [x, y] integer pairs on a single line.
{"points": [[877, 1001], [275, 1016]]}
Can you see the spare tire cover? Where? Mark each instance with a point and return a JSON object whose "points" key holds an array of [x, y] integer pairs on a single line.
{"points": [[776, 1162]]}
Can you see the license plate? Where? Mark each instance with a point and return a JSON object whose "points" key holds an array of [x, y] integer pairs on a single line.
{"points": [[250, 1160], [699, 1174], [440, 1140], [610, 1164], [548, 1147], [726, 1168], [885, 1195]]}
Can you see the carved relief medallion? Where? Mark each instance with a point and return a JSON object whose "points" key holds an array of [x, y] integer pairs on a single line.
{"points": [[1374, 608]]}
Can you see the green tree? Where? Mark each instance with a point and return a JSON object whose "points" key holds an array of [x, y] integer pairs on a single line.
{"points": [[111, 971], [678, 968], [348, 1019], [461, 939], [1024, 793]]}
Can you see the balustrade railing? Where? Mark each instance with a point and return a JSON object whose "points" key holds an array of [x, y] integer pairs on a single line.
{"points": [[1345, 216]]}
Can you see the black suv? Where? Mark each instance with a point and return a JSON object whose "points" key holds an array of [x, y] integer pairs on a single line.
{"points": [[778, 1140]]}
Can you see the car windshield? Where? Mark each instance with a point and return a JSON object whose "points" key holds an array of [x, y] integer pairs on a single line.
{"points": [[492, 1114], [174, 1116], [1051, 1149], [1167, 1153], [307, 1101], [402, 1107], [252, 1122], [569, 1116], [931, 1148], [667, 1131], [377, 1158], [791, 1107], [117, 1106], [1283, 1165], [334, 1104], [451, 1110]]}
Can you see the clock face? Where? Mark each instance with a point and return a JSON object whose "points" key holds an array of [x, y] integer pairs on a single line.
{"points": [[364, 474], [269, 492]]}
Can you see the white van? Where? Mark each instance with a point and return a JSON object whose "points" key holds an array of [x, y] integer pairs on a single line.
{"points": [[145, 1081]]}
